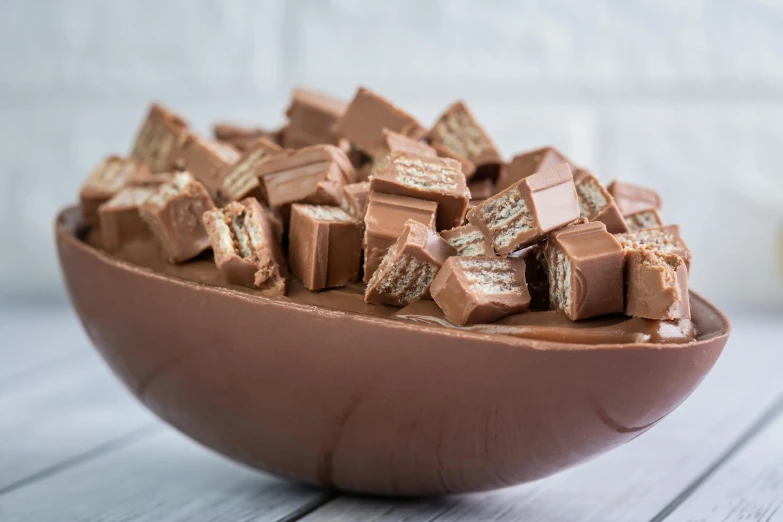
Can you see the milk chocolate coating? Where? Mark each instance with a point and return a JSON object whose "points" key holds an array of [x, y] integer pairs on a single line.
{"points": [[525, 212], [119, 218], [329, 397], [656, 286], [432, 179], [396, 142], [206, 160], [158, 139], [458, 132], [407, 269], [314, 175], [528, 163], [596, 204], [643, 219], [174, 213], [585, 266], [325, 246], [366, 117], [312, 118], [241, 137], [105, 181], [355, 199], [468, 167], [632, 198], [480, 189], [384, 221], [479, 289]]}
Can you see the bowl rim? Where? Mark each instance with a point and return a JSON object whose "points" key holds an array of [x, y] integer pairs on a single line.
{"points": [[67, 228]]}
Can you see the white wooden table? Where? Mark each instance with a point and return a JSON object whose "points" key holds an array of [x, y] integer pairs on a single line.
{"points": [[74, 445]]}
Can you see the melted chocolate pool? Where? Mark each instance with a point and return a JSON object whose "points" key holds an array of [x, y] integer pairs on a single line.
{"points": [[546, 326]]}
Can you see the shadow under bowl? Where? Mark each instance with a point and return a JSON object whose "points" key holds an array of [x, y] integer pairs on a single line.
{"points": [[369, 404]]}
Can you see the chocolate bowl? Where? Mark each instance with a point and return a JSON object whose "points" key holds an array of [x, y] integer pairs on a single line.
{"points": [[370, 404]]}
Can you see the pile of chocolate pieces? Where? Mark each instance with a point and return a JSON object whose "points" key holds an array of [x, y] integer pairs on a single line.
{"points": [[362, 189]]}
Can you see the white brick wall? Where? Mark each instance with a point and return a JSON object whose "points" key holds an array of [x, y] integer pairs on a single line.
{"points": [[684, 95]]}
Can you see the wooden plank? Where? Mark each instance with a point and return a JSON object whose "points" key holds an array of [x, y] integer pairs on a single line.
{"points": [[747, 487], [637, 481], [60, 413], [164, 477], [33, 337]]}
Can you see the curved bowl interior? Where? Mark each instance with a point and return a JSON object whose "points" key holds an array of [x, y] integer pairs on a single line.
{"points": [[369, 404]]}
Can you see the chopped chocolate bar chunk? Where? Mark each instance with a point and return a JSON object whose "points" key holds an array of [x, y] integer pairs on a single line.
{"points": [[481, 189], [240, 137], [663, 240], [314, 175], [396, 142], [596, 204], [434, 179], [120, 220], [243, 240], [325, 246], [458, 132], [145, 178], [312, 118], [239, 180], [468, 241], [526, 211], [473, 290], [632, 198], [536, 275], [366, 117], [159, 137], [106, 180], [355, 199], [407, 269], [585, 264], [384, 221], [206, 160], [656, 286], [173, 212], [643, 219], [528, 163]]}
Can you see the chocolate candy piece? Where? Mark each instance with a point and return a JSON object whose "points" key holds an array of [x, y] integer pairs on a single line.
{"points": [[145, 178], [663, 240], [120, 219], [243, 240], [434, 179], [409, 266], [366, 117], [312, 118], [526, 211], [632, 198], [313, 175], [206, 160], [528, 163], [536, 275], [325, 246], [468, 167], [468, 241], [355, 199], [240, 137], [643, 219], [173, 212], [239, 180], [396, 142], [384, 221], [656, 286], [106, 180], [596, 204], [481, 189], [458, 132], [585, 264], [158, 139], [473, 290]]}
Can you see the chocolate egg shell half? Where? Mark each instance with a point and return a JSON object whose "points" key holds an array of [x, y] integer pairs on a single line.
{"points": [[370, 404]]}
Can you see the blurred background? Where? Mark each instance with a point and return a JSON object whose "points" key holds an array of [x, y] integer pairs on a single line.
{"points": [[683, 95]]}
